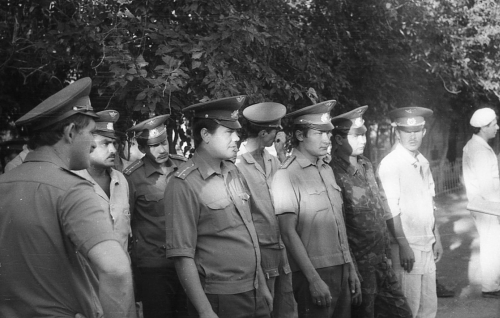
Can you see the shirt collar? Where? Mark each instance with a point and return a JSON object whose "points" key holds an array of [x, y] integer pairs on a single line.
{"points": [[45, 154], [204, 167], [346, 166], [151, 166], [303, 161], [481, 141]]}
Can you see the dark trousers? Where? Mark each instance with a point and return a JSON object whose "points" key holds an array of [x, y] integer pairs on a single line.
{"points": [[249, 304], [381, 292], [161, 293], [336, 277]]}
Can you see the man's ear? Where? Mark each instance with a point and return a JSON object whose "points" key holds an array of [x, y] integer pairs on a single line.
{"points": [[205, 135], [262, 133], [299, 134], [338, 139], [69, 133]]}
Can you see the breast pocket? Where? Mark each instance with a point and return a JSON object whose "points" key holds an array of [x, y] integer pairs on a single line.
{"points": [[155, 204], [222, 214], [317, 199]]}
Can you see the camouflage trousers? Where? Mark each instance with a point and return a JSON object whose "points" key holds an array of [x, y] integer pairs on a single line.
{"points": [[381, 292]]}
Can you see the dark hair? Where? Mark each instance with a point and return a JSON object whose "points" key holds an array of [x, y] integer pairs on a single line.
{"points": [[476, 130], [200, 123], [50, 135], [253, 131], [304, 128], [341, 132]]}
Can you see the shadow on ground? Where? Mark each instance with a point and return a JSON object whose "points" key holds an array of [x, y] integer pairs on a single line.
{"points": [[459, 268]]}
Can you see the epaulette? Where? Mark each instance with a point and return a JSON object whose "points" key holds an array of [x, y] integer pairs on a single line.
{"points": [[73, 173], [178, 157], [287, 162], [184, 170], [133, 166]]}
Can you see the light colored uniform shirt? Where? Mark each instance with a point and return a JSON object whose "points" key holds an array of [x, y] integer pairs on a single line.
{"points": [[50, 219], [310, 191], [480, 166], [409, 187], [117, 205]]}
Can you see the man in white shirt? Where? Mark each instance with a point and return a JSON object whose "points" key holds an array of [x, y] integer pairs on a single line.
{"points": [[409, 186], [482, 182]]}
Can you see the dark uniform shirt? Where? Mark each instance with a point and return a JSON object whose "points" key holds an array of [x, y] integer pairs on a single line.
{"points": [[50, 219], [365, 210], [147, 183], [209, 220]]}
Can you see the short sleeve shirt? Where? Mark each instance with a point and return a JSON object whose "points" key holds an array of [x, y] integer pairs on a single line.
{"points": [[481, 176], [309, 190], [409, 187], [209, 220], [117, 205], [365, 210], [259, 182], [147, 186], [50, 219]]}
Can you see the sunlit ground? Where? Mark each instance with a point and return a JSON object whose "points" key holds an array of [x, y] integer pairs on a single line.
{"points": [[459, 269]]}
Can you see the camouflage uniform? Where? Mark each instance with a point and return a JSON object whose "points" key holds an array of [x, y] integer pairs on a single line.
{"points": [[365, 214]]}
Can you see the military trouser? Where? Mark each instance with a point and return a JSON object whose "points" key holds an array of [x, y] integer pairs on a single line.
{"points": [[381, 292]]}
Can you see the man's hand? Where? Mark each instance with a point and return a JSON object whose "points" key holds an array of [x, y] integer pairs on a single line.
{"points": [[438, 250], [354, 285], [320, 293], [406, 257]]}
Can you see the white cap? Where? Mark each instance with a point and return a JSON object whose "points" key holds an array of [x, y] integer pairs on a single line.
{"points": [[482, 117]]}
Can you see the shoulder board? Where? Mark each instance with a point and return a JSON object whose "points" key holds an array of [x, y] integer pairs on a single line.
{"points": [[287, 162], [184, 170], [133, 166], [178, 157]]}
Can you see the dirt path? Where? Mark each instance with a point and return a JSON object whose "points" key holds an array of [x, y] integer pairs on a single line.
{"points": [[459, 268]]}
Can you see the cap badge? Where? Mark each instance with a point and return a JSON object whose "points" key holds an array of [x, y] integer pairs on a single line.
{"points": [[154, 133], [409, 111], [328, 104], [359, 122], [411, 121], [325, 118], [113, 114], [240, 98], [151, 122], [234, 115], [109, 126]]}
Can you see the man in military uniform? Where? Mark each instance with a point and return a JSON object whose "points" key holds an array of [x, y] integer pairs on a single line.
{"points": [[409, 187], [258, 167], [365, 213], [109, 184], [308, 203], [156, 280], [52, 225], [211, 235]]}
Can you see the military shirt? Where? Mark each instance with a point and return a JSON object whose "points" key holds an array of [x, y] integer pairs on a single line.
{"points": [[365, 210], [50, 218], [209, 220], [259, 182], [117, 205], [309, 190], [147, 183]]}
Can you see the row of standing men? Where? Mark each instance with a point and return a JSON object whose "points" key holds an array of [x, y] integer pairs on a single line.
{"points": [[243, 234]]}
